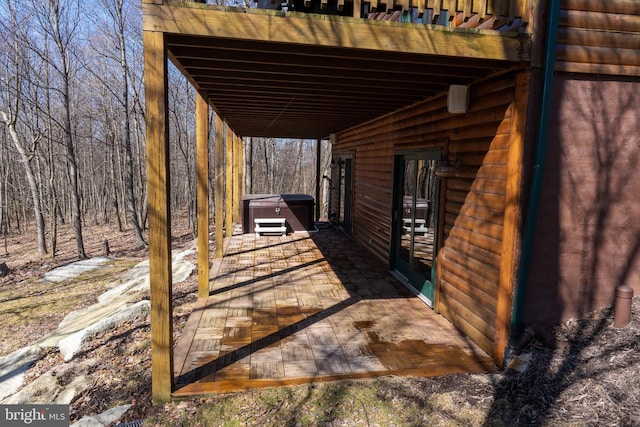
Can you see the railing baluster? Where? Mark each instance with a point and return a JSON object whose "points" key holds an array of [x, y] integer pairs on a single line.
{"points": [[437, 9], [466, 10], [453, 6], [483, 9]]}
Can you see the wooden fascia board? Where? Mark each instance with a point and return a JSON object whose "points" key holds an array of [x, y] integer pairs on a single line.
{"points": [[335, 31]]}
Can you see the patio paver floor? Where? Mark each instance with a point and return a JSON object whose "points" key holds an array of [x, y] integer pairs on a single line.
{"points": [[310, 307]]}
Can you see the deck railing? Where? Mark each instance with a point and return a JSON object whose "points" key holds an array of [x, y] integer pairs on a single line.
{"points": [[502, 15]]}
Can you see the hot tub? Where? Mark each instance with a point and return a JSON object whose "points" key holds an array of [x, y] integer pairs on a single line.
{"points": [[297, 209]]}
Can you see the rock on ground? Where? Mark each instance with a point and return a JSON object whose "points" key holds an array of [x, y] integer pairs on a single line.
{"points": [[106, 418], [48, 387], [123, 303]]}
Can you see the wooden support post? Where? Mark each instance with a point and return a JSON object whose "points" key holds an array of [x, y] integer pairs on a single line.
{"points": [[228, 189], [218, 173], [202, 171], [439, 238], [318, 177], [158, 179], [247, 159], [238, 165], [509, 256]]}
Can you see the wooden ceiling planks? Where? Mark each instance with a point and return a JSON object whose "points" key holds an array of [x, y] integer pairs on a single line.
{"points": [[307, 76]]}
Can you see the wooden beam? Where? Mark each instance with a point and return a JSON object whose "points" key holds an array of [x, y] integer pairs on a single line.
{"points": [[333, 31], [509, 254], [218, 173], [237, 179], [158, 179], [202, 171], [318, 176], [228, 188]]}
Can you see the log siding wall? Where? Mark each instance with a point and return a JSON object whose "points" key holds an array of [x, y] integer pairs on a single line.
{"points": [[599, 37], [472, 202]]}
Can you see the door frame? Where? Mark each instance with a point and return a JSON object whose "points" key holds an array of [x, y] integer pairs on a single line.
{"points": [[345, 194], [407, 277]]}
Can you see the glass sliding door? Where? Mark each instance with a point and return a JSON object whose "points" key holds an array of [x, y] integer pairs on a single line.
{"points": [[415, 220], [346, 194]]}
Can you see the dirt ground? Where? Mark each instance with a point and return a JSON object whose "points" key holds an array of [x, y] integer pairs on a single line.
{"points": [[591, 379]]}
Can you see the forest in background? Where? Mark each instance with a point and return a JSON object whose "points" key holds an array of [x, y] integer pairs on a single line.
{"points": [[72, 126]]}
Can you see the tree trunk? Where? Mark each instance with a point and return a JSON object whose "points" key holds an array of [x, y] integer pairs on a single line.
{"points": [[114, 183], [131, 201], [76, 218], [27, 161], [248, 169]]}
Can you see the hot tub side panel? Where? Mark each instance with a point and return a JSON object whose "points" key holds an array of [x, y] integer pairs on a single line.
{"points": [[296, 208]]}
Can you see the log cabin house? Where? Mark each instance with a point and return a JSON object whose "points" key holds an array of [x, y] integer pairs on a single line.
{"points": [[486, 150]]}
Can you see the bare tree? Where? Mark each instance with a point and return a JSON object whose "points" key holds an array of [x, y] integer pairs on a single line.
{"points": [[13, 90], [116, 10], [59, 21]]}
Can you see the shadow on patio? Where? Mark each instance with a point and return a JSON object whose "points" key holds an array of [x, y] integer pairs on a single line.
{"points": [[311, 307]]}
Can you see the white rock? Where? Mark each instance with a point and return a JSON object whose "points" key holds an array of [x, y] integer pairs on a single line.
{"points": [[122, 303], [13, 367], [69, 271], [109, 416], [71, 345], [47, 389]]}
